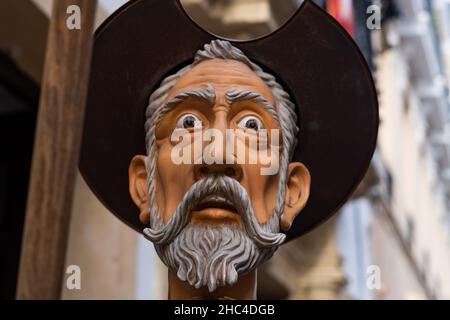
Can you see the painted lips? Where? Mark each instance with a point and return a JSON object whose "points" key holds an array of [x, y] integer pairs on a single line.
{"points": [[216, 201]]}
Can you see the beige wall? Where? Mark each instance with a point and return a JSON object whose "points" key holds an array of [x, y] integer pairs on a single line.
{"points": [[103, 247], [398, 279], [406, 151]]}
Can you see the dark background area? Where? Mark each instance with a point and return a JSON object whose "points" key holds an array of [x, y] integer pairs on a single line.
{"points": [[19, 97]]}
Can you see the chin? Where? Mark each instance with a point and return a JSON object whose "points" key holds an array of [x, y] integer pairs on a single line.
{"points": [[211, 256]]}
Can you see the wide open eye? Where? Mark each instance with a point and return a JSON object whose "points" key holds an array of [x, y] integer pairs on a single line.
{"points": [[251, 123], [189, 121]]}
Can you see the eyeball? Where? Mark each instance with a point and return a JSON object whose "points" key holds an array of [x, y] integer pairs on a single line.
{"points": [[189, 121], [251, 123]]}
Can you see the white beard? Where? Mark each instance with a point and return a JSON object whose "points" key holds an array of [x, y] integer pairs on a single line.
{"points": [[210, 256], [205, 255]]}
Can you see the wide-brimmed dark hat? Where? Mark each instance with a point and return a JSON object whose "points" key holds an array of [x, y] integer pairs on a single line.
{"points": [[311, 55]]}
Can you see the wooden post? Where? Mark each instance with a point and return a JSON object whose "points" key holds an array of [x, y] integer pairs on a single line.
{"points": [[56, 152]]}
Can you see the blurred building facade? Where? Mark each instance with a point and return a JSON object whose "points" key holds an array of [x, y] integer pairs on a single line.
{"points": [[401, 225]]}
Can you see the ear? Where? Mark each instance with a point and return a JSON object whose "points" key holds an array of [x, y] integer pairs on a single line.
{"points": [[297, 193], [138, 187]]}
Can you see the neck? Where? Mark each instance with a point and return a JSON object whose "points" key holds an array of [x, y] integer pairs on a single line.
{"points": [[243, 289]]}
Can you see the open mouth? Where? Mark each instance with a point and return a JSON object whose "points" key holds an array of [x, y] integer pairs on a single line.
{"points": [[216, 201]]}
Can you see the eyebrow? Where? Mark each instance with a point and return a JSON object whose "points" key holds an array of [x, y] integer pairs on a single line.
{"points": [[207, 94], [235, 95]]}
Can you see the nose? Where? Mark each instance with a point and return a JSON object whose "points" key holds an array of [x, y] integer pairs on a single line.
{"points": [[231, 170]]}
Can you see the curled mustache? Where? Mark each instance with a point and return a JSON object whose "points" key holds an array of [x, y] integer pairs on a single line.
{"points": [[202, 188]]}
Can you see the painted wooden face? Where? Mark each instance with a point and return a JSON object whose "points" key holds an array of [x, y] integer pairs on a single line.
{"points": [[215, 108]]}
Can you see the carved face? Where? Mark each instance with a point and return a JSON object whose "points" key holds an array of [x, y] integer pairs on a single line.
{"points": [[174, 180], [222, 95]]}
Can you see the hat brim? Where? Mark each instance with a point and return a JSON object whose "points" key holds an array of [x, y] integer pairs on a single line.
{"points": [[311, 55]]}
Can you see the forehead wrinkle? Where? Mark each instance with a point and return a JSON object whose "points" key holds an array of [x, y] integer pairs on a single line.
{"points": [[221, 73], [207, 94], [224, 78]]}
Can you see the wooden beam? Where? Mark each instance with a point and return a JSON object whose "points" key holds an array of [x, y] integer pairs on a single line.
{"points": [[56, 152]]}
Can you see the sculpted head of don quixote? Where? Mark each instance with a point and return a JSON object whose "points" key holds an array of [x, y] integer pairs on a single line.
{"points": [[217, 183], [222, 164]]}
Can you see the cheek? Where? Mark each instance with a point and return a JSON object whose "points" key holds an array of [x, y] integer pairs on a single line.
{"points": [[172, 181], [263, 191]]}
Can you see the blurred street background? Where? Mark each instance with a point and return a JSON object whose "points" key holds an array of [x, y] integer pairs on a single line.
{"points": [[390, 241]]}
